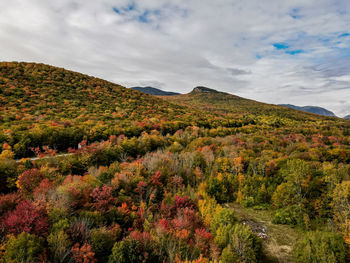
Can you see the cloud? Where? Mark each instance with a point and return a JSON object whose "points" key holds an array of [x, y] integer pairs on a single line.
{"points": [[228, 45]]}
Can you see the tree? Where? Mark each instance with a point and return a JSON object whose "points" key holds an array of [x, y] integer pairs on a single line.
{"points": [[238, 240], [341, 208], [60, 246], [102, 241], [320, 247], [23, 248], [27, 218], [28, 181], [83, 254]]}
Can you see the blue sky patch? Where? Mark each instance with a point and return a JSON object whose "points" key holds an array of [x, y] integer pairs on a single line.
{"points": [[144, 17], [280, 45], [295, 13], [344, 35], [295, 52]]}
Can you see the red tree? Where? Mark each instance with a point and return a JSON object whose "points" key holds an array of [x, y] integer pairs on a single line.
{"points": [[26, 218]]}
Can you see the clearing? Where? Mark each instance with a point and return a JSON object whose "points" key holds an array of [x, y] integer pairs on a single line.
{"points": [[278, 240]]}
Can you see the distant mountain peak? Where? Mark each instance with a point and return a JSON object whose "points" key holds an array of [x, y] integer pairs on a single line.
{"points": [[311, 109], [155, 91], [347, 117], [201, 89]]}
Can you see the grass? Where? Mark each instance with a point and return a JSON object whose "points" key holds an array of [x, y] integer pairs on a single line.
{"points": [[281, 238]]}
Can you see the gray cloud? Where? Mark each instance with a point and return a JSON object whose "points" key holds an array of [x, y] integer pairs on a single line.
{"points": [[176, 45]]}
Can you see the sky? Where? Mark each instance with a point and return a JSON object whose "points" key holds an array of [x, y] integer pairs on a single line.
{"points": [[275, 51]]}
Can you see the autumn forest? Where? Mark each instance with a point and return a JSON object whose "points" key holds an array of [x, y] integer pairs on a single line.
{"points": [[91, 171]]}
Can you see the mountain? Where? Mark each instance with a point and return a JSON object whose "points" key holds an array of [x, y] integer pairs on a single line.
{"points": [[347, 117], [201, 89], [158, 178], [211, 100], [311, 109], [46, 105], [154, 91]]}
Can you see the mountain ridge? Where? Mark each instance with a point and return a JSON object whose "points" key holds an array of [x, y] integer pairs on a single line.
{"points": [[154, 91], [311, 109]]}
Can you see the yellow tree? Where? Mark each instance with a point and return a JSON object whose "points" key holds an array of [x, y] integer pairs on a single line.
{"points": [[341, 208]]}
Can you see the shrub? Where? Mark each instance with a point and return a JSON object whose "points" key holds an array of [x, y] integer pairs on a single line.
{"points": [[8, 175], [58, 219], [28, 181], [8, 202], [246, 244], [102, 198], [228, 256], [223, 217], [239, 240], [286, 216], [138, 247], [26, 218], [102, 241], [95, 218], [83, 254], [321, 247], [59, 245], [79, 230], [23, 248]]}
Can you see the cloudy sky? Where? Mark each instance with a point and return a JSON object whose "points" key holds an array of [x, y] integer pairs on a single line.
{"points": [[276, 51]]}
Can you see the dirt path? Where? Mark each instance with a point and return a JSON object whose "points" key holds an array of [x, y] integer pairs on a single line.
{"points": [[45, 157], [280, 238]]}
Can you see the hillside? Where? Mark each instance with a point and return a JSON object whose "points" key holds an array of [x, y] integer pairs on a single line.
{"points": [[45, 105], [347, 117], [223, 103], [129, 177], [311, 109], [154, 91]]}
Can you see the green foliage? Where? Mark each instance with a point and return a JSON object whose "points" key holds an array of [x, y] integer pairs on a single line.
{"points": [[23, 248], [228, 256], [224, 217], [239, 240], [320, 247], [8, 175], [132, 251], [102, 241], [59, 245], [288, 216]]}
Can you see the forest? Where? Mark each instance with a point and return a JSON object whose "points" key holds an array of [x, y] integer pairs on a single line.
{"points": [[122, 176]]}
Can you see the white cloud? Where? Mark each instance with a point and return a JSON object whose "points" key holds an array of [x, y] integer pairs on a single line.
{"points": [[176, 45]]}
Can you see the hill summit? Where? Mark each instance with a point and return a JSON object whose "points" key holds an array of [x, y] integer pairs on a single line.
{"points": [[204, 90]]}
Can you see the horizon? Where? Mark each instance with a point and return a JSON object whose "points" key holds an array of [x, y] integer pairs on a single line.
{"points": [[286, 53]]}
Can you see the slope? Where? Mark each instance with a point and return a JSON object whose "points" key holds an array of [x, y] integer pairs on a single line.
{"points": [[223, 103], [45, 105]]}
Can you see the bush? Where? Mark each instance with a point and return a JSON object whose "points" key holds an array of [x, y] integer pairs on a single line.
{"points": [[26, 218], [28, 181], [59, 245], [8, 202], [24, 248], [228, 256], [239, 240], [8, 175], [83, 254], [102, 241], [286, 216], [136, 248], [224, 217], [320, 247]]}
